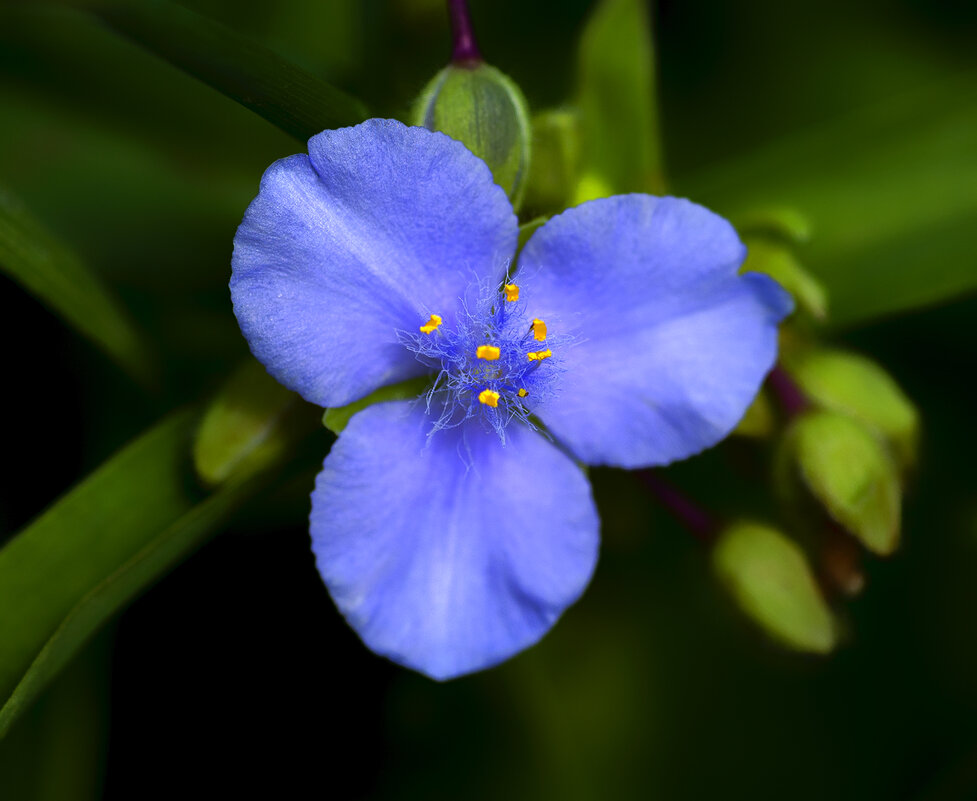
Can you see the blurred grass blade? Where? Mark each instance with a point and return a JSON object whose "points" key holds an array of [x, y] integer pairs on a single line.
{"points": [[621, 147], [48, 270], [891, 194], [100, 525], [57, 751], [160, 553], [287, 96]]}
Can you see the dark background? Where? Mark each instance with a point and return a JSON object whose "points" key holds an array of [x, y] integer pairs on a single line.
{"points": [[235, 675]]}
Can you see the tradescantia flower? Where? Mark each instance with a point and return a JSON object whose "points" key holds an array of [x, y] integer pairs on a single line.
{"points": [[452, 531]]}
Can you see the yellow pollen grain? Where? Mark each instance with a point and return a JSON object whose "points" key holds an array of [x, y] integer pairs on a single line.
{"points": [[431, 325], [539, 330], [511, 292], [522, 393], [488, 352], [539, 355], [489, 397]]}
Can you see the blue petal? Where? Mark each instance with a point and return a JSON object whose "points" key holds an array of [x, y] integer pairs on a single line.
{"points": [[450, 554], [671, 343], [378, 228]]}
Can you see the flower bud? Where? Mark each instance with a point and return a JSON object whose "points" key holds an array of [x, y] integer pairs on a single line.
{"points": [[847, 469], [776, 260], [484, 110], [854, 385], [769, 577]]}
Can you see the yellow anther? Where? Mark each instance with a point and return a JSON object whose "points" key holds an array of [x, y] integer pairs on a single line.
{"points": [[539, 330], [522, 393], [489, 397], [511, 292], [488, 352], [431, 325], [539, 355]]}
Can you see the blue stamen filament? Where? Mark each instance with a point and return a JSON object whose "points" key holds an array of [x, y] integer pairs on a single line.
{"points": [[488, 363]]}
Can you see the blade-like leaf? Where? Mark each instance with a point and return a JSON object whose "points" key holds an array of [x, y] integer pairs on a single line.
{"points": [[287, 96], [160, 553], [103, 523], [46, 268], [891, 194], [621, 149]]}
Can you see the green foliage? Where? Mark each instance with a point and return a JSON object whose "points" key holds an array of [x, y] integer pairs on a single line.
{"points": [[484, 109], [848, 470], [244, 427], [778, 261], [45, 267], [56, 751], [769, 577], [555, 167], [857, 386], [891, 193], [620, 146], [285, 95], [336, 419]]}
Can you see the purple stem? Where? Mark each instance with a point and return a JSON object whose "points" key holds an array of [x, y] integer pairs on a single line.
{"points": [[464, 48], [696, 520], [791, 397]]}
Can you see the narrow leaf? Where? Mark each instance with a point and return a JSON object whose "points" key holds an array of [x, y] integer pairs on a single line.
{"points": [[85, 536], [621, 149], [33, 257], [890, 192], [287, 96], [160, 554]]}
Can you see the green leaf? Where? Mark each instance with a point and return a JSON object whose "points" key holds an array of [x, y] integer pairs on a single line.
{"points": [[777, 261], [527, 229], [848, 470], [771, 580], [57, 751], [857, 386], [555, 166], [285, 95], [486, 111], [101, 524], [780, 223], [244, 417], [891, 193], [47, 269], [620, 146], [336, 419]]}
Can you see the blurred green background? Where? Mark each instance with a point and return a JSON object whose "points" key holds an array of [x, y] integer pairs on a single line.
{"points": [[235, 674]]}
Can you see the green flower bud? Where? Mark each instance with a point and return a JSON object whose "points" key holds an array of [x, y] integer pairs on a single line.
{"points": [[848, 470], [759, 418], [857, 386], [769, 577], [777, 261], [484, 110]]}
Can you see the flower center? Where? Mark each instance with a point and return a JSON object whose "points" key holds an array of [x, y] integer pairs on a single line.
{"points": [[498, 363]]}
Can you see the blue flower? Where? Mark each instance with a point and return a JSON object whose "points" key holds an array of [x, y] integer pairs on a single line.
{"points": [[453, 531]]}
